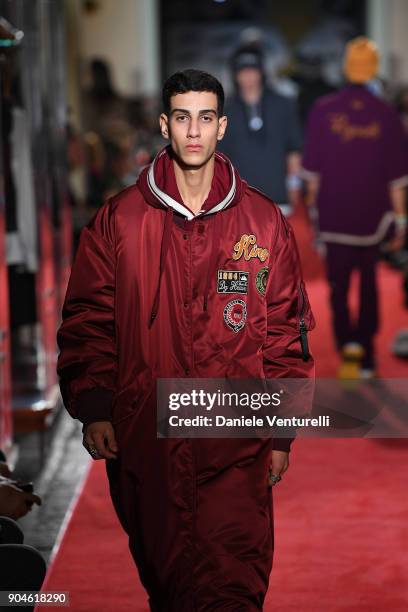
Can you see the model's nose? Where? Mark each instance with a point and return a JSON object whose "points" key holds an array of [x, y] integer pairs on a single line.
{"points": [[194, 129]]}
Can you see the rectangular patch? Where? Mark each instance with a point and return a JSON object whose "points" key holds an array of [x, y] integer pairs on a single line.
{"points": [[232, 281]]}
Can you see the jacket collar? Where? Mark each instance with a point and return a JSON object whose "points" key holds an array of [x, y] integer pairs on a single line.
{"points": [[158, 185]]}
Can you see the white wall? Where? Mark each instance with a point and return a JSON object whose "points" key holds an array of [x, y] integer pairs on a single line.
{"points": [[126, 33], [387, 24]]}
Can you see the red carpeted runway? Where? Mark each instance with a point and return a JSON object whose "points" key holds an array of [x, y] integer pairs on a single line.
{"points": [[341, 510]]}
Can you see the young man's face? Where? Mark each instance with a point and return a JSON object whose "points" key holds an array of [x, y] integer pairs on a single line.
{"points": [[193, 126]]}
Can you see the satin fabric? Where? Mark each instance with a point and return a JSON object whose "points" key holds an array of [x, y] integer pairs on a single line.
{"points": [[198, 512]]}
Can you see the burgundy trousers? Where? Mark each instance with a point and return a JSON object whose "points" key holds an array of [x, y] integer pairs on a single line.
{"points": [[199, 517]]}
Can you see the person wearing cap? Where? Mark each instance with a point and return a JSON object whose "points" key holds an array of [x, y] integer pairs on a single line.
{"points": [[356, 168], [264, 139]]}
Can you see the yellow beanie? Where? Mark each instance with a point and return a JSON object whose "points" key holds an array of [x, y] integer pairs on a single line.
{"points": [[361, 60]]}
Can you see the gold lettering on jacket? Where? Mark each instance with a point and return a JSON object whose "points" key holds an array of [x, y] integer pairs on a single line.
{"points": [[248, 248], [340, 124]]}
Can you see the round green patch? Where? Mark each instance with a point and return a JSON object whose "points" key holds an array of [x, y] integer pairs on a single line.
{"points": [[261, 279]]}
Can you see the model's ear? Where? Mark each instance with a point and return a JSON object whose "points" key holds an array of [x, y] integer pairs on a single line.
{"points": [[222, 126], [164, 125]]}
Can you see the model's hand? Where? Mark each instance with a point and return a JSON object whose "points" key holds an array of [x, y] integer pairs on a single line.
{"points": [[279, 464], [14, 502], [100, 435]]}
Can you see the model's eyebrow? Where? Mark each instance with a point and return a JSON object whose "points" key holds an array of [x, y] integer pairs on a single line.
{"points": [[187, 112]]}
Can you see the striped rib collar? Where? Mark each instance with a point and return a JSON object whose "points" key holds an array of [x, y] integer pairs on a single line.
{"points": [[167, 201]]}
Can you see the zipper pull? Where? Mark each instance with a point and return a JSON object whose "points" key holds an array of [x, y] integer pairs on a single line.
{"points": [[303, 340]]}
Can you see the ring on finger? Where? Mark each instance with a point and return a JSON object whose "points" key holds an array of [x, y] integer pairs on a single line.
{"points": [[91, 449]]}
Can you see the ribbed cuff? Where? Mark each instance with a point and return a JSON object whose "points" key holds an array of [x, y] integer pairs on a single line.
{"points": [[282, 444], [94, 405]]}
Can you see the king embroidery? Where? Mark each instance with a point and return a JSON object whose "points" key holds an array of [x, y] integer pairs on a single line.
{"points": [[248, 248]]}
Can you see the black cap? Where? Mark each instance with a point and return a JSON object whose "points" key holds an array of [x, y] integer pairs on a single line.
{"points": [[247, 57]]}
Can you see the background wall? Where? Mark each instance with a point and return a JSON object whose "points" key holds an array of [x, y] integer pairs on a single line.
{"points": [[126, 34], [387, 25]]}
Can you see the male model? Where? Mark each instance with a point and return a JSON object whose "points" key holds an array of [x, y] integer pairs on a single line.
{"points": [[145, 302]]}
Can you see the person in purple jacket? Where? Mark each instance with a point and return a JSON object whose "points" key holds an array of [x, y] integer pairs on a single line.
{"points": [[355, 165]]}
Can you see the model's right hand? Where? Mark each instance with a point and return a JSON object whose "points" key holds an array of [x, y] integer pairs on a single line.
{"points": [[101, 435]]}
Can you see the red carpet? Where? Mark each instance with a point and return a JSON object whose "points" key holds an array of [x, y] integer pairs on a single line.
{"points": [[340, 512], [93, 563]]}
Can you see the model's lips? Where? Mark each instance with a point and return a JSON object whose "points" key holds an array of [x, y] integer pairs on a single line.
{"points": [[195, 147]]}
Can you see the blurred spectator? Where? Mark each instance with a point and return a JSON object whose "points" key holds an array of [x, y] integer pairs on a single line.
{"points": [[15, 502], [102, 105], [400, 342], [311, 83], [4, 468], [119, 139], [76, 181], [402, 106], [96, 161], [263, 138], [16, 497], [355, 164], [22, 566], [142, 158], [121, 168]]}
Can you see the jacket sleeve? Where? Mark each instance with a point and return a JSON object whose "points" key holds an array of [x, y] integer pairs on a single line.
{"points": [[289, 317], [87, 362]]}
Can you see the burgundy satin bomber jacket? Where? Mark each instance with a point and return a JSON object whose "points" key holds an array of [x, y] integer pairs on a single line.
{"points": [[143, 299]]}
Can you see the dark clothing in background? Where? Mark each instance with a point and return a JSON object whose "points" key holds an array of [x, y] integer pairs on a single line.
{"points": [[22, 566], [21, 282], [311, 90], [260, 155], [341, 260], [22, 296], [9, 190]]}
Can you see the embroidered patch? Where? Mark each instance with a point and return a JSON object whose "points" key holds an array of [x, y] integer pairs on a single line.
{"points": [[232, 281], [235, 314], [261, 279], [247, 247]]}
